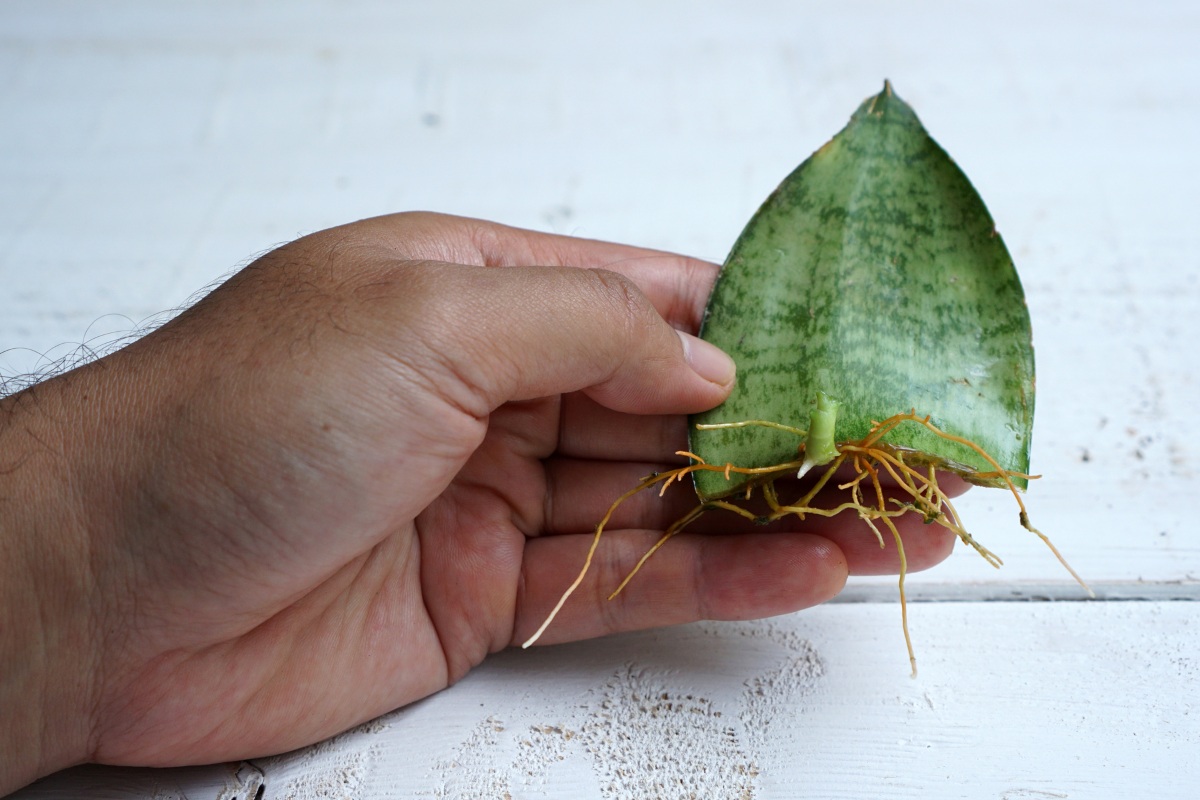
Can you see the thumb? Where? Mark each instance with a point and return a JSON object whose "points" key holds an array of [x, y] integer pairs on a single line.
{"points": [[500, 334]]}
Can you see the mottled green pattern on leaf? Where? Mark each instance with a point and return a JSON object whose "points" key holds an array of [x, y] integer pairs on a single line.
{"points": [[874, 274]]}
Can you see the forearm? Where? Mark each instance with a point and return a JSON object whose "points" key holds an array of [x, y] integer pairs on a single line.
{"points": [[47, 633]]}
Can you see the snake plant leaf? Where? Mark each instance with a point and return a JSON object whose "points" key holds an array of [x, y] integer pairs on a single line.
{"points": [[873, 274]]}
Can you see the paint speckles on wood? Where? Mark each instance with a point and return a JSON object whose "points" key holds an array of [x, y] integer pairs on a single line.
{"points": [[334, 769], [645, 730], [648, 738]]}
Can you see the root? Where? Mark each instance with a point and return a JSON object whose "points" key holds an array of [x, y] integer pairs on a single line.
{"points": [[869, 458], [644, 483]]}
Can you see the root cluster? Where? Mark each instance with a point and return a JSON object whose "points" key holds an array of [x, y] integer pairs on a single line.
{"points": [[869, 459]]}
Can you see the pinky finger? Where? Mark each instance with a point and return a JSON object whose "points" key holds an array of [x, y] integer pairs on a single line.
{"points": [[694, 577]]}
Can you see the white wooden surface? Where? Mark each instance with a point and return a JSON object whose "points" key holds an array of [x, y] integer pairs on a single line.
{"points": [[147, 149]]}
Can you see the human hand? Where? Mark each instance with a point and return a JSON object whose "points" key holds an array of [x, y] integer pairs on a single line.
{"points": [[365, 462]]}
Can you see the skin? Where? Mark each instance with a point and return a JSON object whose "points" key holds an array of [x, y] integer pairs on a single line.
{"points": [[337, 483]]}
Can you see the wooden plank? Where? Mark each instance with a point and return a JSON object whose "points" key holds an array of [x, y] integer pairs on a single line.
{"points": [[1013, 700]]}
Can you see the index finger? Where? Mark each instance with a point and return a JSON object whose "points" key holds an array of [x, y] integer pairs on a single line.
{"points": [[677, 286]]}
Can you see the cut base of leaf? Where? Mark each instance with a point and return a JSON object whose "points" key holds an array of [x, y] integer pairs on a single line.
{"points": [[869, 459]]}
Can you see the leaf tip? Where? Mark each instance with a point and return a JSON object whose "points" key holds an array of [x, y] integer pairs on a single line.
{"points": [[886, 106]]}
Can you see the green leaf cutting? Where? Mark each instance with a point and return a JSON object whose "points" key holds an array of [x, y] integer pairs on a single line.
{"points": [[873, 274]]}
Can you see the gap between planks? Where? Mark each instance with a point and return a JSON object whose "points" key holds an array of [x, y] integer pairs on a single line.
{"points": [[1112, 591]]}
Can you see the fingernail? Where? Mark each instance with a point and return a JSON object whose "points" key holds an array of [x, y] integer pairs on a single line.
{"points": [[707, 360]]}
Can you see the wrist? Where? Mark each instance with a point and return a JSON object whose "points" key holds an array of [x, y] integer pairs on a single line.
{"points": [[47, 639]]}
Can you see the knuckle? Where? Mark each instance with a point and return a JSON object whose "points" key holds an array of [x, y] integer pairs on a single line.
{"points": [[627, 608], [625, 300], [612, 612]]}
